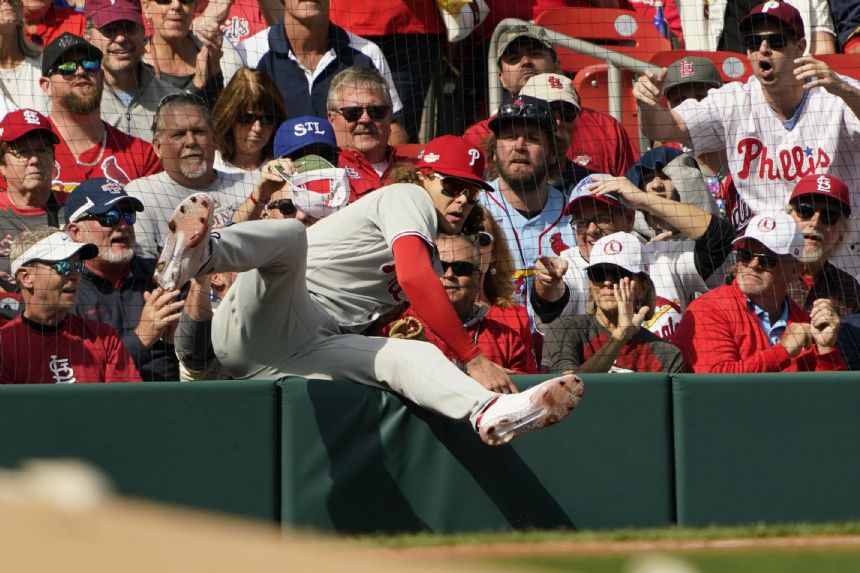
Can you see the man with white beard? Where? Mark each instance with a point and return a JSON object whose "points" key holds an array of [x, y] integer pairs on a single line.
{"points": [[821, 205], [184, 139], [116, 286]]}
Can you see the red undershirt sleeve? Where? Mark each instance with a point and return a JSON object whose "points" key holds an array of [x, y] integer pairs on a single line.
{"points": [[424, 291]]}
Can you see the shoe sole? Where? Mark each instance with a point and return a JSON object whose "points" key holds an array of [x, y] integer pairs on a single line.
{"points": [[188, 227], [548, 406]]}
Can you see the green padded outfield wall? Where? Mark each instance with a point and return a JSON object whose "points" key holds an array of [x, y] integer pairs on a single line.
{"points": [[357, 460], [767, 448], [213, 445]]}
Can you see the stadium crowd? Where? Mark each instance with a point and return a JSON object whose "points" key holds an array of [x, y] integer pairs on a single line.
{"points": [[532, 238]]}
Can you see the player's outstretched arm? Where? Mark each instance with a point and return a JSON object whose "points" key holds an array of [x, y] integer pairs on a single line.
{"points": [[658, 122]]}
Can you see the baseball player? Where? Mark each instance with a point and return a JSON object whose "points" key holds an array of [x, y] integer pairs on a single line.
{"points": [[303, 296], [794, 117]]}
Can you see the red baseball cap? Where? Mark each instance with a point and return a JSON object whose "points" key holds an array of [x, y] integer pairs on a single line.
{"points": [[16, 124], [103, 12], [782, 11], [826, 185], [455, 157]]}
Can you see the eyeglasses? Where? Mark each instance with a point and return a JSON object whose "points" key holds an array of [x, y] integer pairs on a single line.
{"points": [[753, 42], [112, 217], [564, 110], [449, 189], [263, 118], [484, 239], [25, 153], [354, 113], [167, 2], [526, 111], [285, 206], [828, 216], [90, 66], [64, 268], [460, 268], [612, 274], [603, 222], [765, 261]]}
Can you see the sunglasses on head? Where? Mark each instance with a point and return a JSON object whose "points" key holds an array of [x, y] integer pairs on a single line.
{"points": [[525, 111], [752, 42], [604, 273], [460, 268], [453, 188], [285, 206], [89, 65], [263, 118], [64, 268], [112, 217], [766, 261], [828, 215], [354, 113]]}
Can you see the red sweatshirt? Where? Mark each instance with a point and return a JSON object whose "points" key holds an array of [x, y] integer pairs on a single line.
{"points": [[720, 334]]}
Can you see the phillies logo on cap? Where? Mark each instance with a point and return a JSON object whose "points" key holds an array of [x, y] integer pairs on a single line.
{"points": [[766, 225], [613, 248], [686, 69], [475, 155], [823, 184], [555, 83], [431, 158], [772, 5]]}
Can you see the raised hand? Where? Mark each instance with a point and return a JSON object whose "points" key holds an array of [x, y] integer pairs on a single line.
{"points": [[648, 88], [629, 318]]}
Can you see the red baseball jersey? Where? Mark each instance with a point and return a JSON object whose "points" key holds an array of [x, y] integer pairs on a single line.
{"points": [[57, 21], [77, 351], [363, 178]]}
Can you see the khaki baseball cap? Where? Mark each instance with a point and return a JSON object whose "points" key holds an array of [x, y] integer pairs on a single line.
{"points": [[550, 88], [531, 31], [693, 70]]}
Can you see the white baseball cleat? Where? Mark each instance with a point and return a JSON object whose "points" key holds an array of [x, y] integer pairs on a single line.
{"points": [[187, 246], [508, 415]]}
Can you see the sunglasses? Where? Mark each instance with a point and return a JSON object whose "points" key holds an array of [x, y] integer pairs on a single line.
{"points": [[112, 217], [564, 110], [828, 216], [68, 68], [64, 268], [526, 111], [449, 189], [285, 206], [765, 261], [752, 42], [354, 113], [263, 118], [484, 239], [460, 268], [167, 2], [603, 274], [601, 221]]}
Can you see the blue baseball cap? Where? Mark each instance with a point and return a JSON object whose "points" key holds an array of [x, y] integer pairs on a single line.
{"points": [[96, 197], [654, 160], [299, 132]]}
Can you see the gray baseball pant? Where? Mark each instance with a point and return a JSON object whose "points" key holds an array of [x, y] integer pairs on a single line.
{"points": [[268, 327]]}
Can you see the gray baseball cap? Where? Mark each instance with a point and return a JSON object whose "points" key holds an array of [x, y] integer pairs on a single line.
{"points": [[693, 70], [530, 31]]}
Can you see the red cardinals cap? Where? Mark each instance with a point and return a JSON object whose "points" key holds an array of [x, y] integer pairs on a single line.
{"points": [[18, 123], [103, 12], [455, 157], [782, 11], [826, 185]]}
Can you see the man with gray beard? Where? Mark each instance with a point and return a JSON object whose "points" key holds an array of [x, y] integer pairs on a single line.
{"points": [[184, 139], [116, 286], [88, 148]]}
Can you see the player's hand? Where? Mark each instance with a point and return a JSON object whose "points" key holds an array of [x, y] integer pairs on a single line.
{"points": [[648, 88], [160, 311], [629, 318], [549, 272], [490, 375], [824, 321], [818, 73], [620, 186], [797, 337]]}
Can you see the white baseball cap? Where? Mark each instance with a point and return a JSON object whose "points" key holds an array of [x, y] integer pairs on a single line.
{"points": [[54, 248], [620, 249], [550, 88], [777, 231]]}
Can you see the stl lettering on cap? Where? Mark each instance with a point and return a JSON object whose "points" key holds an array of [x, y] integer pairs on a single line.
{"points": [[823, 184], [686, 69], [554, 82], [31, 117]]}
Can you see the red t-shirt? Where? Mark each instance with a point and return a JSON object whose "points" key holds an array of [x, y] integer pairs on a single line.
{"points": [[56, 22], [125, 159], [598, 142], [79, 351], [363, 178], [385, 17]]}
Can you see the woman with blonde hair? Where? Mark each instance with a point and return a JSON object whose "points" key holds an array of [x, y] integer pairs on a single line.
{"points": [[20, 66], [245, 118]]}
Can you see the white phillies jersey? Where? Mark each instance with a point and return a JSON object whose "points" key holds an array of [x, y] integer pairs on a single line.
{"points": [[765, 158], [350, 262]]}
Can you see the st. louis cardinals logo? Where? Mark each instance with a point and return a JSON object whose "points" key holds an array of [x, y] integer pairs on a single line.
{"points": [[613, 248], [786, 164], [686, 69], [235, 28], [31, 117], [554, 83], [766, 225], [823, 184], [61, 370]]}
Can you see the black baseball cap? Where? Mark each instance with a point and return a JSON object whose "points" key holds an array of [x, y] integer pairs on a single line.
{"points": [[524, 109], [64, 44]]}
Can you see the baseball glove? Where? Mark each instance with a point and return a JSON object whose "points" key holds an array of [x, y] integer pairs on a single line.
{"points": [[408, 328]]}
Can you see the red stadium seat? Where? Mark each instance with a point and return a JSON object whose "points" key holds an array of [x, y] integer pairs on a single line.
{"points": [[620, 30], [731, 65], [592, 85], [845, 64]]}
